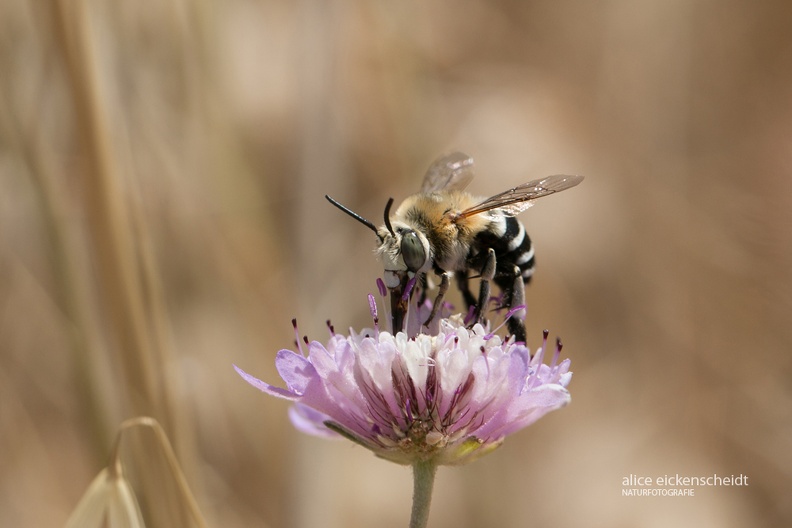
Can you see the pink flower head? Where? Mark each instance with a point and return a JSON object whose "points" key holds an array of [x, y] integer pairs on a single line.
{"points": [[449, 397]]}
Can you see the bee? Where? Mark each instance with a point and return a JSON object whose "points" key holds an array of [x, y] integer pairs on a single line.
{"points": [[448, 231]]}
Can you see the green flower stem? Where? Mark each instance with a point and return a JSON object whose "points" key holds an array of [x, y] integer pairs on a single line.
{"points": [[423, 482]]}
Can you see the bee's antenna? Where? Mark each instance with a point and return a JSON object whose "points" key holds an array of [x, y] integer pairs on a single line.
{"points": [[387, 217], [353, 214]]}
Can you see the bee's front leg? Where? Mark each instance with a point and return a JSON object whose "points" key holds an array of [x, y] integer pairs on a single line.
{"points": [[421, 287], [516, 295], [487, 274], [397, 282], [445, 281]]}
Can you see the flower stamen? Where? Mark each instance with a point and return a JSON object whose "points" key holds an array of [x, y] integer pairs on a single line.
{"points": [[297, 337]]}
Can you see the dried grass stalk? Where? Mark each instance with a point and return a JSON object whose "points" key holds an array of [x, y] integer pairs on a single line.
{"points": [[110, 500]]}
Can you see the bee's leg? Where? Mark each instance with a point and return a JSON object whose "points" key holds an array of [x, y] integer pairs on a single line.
{"points": [[487, 274], [438, 302], [516, 296], [422, 287], [464, 288], [397, 283]]}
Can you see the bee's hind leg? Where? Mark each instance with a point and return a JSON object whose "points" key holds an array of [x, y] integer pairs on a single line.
{"points": [[515, 293], [487, 274], [444, 283]]}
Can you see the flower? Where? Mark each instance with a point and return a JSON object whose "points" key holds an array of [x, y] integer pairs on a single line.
{"points": [[445, 398]]}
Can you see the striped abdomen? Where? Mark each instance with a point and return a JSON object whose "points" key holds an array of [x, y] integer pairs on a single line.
{"points": [[512, 247]]}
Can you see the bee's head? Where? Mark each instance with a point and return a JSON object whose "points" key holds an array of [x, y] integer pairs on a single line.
{"points": [[404, 250]]}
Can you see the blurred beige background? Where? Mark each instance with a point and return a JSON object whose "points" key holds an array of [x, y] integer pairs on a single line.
{"points": [[162, 173]]}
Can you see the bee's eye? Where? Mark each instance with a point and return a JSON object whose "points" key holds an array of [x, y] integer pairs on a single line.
{"points": [[412, 251]]}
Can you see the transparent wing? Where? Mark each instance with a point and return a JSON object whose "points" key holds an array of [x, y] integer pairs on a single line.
{"points": [[449, 172], [520, 198]]}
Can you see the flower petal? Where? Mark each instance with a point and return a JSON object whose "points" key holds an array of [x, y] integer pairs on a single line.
{"points": [[266, 387], [310, 421], [525, 410], [295, 370]]}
